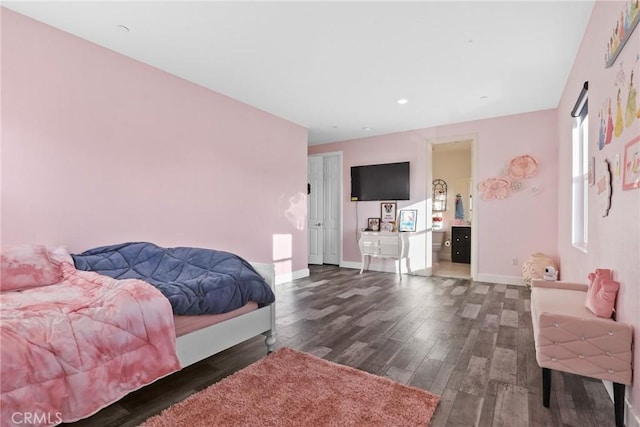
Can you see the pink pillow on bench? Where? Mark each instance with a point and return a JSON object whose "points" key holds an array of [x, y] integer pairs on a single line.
{"points": [[29, 266], [602, 292]]}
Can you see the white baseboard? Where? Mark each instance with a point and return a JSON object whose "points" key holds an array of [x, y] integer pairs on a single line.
{"points": [[373, 266], [632, 419], [351, 264], [288, 277], [389, 268], [503, 280]]}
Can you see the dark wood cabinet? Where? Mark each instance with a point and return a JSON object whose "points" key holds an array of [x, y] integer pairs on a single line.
{"points": [[461, 244]]}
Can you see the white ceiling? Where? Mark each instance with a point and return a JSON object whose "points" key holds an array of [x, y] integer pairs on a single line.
{"points": [[338, 68]]}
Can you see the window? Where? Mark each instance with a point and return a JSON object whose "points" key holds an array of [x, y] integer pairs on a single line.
{"points": [[580, 172]]}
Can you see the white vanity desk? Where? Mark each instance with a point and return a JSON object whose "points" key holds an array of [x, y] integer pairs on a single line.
{"points": [[383, 244]]}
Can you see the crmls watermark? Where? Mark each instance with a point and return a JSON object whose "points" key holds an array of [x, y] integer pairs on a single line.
{"points": [[41, 418]]}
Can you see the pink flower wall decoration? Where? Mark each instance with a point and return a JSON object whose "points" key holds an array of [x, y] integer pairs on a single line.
{"points": [[494, 188], [522, 167]]}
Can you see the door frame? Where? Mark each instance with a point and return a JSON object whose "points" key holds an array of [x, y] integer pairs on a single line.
{"points": [[473, 137], [341, 201], [315, 210]]}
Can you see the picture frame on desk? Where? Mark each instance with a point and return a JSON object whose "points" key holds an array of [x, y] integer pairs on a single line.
{"points": [[387, 226], [407, 220], [388, 211], [373, 224]]}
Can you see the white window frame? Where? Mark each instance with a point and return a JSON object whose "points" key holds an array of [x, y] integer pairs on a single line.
{"points": [[580, 173]]}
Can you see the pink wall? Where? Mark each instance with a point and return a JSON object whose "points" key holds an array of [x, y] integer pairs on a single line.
{"points": [[515, 227], [614, 241], [98, 148]]}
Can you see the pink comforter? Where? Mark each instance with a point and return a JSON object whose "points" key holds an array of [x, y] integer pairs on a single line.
{"points": [[72, 348]]}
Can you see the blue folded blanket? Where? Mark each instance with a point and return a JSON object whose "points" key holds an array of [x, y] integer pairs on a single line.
{"points": [[195, 280]]}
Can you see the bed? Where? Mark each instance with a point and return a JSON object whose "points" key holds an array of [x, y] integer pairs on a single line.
{"points": [[204, 342], [54, 370]]}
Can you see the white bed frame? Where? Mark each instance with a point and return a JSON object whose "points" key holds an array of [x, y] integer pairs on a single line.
{"points": [[200, 344]]}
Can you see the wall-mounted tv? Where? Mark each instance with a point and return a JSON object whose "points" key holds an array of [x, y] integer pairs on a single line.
{"points": [[389, 181]]}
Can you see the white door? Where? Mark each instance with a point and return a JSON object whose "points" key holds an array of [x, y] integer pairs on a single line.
{"points": [[315, 209], [331, 217]]}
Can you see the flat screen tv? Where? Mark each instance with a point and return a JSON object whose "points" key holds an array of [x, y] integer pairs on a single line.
{"points": [[389, 181]]}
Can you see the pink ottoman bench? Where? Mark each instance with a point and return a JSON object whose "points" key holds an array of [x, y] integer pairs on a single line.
{"points": [[569, 337]]}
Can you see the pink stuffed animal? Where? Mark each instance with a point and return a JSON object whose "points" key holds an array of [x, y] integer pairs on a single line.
{"points": [[602, 293]]}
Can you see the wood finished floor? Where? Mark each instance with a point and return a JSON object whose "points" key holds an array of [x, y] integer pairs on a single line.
{"points": [[469, 342]]}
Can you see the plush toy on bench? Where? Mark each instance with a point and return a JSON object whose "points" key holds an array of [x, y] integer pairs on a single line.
{"points": [[550, 273], [575, 332]]}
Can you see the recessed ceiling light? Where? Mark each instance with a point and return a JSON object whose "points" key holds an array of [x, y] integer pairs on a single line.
{"points": [[484, 97], [402, 101], [366, 128], [123, 28]]}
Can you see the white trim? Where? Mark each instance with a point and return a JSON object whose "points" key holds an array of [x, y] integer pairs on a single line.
{"points": [[351, 264], [580, 165], [328, 153], [373, 266], [475, 232], [341, 186], [357, 265], [489, 278], [503, 280], [473, 137], [632, 419], [294, 275]]}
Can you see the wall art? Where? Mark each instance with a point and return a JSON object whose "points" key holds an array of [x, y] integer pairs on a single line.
{"points": [[501, 187], [621, 110], [388, 211], [408, 220], [616, 167], [522, 167], [603, 187], [625, 24], [495, 188], [631, 165]]}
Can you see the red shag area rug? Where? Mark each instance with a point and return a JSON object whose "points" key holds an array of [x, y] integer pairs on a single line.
{"points": [[291, 388]]}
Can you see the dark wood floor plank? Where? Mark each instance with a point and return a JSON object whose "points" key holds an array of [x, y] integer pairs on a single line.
{"points": [[539, 415], [443, 378], [507, 338], [466, 410], [378, 361], [476, 376], [470, 342], [512, 407], [598, 399], [443, 412], [485, 344], [504, 364], [426, 373]]}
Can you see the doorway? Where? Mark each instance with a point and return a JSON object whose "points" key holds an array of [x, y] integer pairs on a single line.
{"points": [[453, 219], [324, 207]]}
